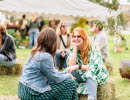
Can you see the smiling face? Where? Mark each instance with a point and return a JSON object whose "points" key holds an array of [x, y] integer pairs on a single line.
{"points": [[77, 39]]}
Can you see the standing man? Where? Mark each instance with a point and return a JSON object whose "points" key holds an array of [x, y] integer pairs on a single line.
{"points": [[23, 26], [100, 39]]}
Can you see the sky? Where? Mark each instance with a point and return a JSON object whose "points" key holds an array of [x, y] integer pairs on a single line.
{"points": [[124, 2]]}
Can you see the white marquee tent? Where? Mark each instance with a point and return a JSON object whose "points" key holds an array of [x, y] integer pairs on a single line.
{"points": [[75, 8]]}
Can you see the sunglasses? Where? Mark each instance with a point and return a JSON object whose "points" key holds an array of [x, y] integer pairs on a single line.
{"points": [[63, 26], [76, 36]]}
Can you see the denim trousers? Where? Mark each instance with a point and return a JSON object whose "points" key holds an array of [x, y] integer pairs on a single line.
{"points": [[90, 84], [6, 63], [59, 59], [33, 33]]}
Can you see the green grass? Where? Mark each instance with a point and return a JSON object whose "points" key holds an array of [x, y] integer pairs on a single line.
{"points": [[9, 84], [122, 86], [23, 54]]}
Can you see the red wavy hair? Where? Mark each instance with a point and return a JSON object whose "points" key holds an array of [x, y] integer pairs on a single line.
{"points": [[85, 47]]}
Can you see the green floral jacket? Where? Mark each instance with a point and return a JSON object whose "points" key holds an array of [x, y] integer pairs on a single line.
{"points": [[98, 71]]}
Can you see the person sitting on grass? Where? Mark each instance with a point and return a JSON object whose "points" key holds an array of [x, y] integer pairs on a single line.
{"points": [[7, 48], [85, 63], [39, 79]]}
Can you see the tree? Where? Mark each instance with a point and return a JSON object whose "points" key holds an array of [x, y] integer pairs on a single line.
{"points": [[113, 6]]}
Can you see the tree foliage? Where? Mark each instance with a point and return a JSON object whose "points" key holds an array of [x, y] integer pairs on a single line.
{"points": [[113, 6], [80, 22], [114, 22]]}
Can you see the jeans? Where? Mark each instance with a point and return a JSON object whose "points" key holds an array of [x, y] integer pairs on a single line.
{"points": [[59, 59], [6, 63], [33, 33], [90, 84]]}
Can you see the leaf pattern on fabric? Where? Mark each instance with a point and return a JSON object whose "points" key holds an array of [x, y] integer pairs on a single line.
{"points": [[97, 72]]}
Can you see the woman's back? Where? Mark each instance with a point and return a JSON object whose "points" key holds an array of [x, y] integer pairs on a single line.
{"points": [[39, 71]]}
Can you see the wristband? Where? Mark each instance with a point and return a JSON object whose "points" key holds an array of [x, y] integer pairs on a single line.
{"points": [[80, 66]]}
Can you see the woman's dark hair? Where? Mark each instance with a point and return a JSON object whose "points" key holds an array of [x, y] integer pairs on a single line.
{"points": [[46, 42]]}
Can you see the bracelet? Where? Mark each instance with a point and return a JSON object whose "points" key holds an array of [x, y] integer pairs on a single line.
{"points": [[80, 66]]}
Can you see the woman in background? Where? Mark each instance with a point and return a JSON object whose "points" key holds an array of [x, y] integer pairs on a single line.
{"points": [[63, 44], [7, 48], [33, 25]]}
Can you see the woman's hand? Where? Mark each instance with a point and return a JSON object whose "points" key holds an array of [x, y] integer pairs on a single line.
{"points": [[84, 67], [73, 78], [72, 68], [73, 42]]}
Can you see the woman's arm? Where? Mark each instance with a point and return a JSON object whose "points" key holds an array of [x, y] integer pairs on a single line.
{"points": [[73, 57], [74, 67], [48, 69]]}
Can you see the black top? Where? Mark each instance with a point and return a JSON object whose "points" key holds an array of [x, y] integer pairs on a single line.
{"points": [[8, 47]]}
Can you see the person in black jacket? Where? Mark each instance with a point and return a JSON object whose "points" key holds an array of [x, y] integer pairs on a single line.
{"points": [[7, 48]]}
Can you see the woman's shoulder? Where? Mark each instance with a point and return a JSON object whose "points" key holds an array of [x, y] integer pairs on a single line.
{"points": [[43, 56], [94, 47], [7, 37]]}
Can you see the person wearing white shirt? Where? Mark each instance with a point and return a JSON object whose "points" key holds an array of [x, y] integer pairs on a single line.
{"points": [[63, 44], [23, 26], [100, 39]]}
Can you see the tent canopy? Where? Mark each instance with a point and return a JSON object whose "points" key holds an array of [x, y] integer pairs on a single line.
{"points": [[75, 8]]}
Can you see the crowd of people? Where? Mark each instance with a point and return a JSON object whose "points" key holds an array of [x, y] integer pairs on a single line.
{"points": [[82, 59], [30, 26]]}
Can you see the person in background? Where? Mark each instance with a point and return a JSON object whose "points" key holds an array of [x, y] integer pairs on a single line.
{"points": [[85, 63], [7, 48], [39, 79], [63, 44], [42, 23], [53, 23], [100, 39], [23, 27], [33, 25]]}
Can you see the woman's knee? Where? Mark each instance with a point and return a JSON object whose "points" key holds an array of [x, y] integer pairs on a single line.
{"points": [[91, 81], [58, 53], [70, 82], [2, 57]]}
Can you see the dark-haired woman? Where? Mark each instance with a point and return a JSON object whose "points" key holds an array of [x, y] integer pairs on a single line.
{"points": [[40, 80], [7, 48]]}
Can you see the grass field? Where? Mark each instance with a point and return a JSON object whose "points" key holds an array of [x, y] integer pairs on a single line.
{"points": [[8, 84], [122, 86]]}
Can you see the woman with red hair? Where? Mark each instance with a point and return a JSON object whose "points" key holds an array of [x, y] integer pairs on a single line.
{"points": [[85, 63]]}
